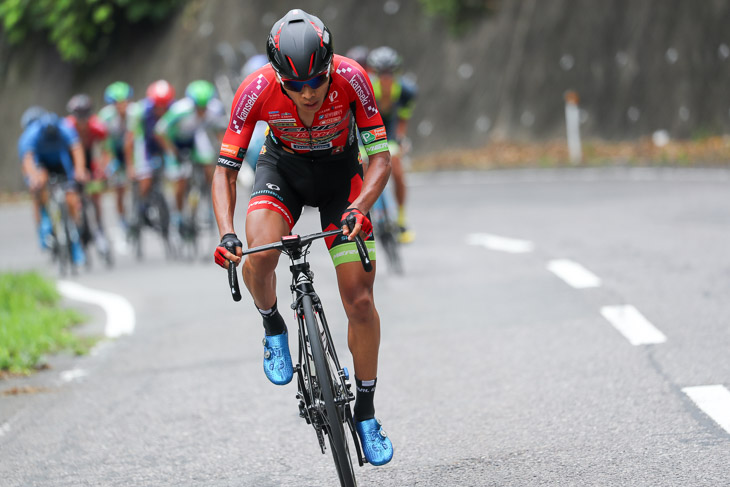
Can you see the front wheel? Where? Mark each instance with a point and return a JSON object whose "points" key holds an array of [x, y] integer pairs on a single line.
{"points": [[333, 415]]}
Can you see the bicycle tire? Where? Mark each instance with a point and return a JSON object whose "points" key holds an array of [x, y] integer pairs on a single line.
{"points": [[333, 422], [65, 261]]}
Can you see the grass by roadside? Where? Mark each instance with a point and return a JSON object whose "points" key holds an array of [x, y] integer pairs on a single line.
{"points": [[708, 151], [32, 324]]}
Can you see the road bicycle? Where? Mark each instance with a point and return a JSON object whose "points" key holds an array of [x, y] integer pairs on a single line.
{"points": [[323, 385], [91, 233], [387, 230], [152, 212], [197, 220], [64, 232]]}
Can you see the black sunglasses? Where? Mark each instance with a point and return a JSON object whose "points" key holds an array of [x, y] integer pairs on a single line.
{"points": [[314, 83]]}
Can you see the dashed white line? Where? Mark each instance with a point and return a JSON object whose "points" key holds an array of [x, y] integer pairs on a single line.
{"points": [[503, 244], [633, 325], [573, 273], [119, 312], [714, 401]]}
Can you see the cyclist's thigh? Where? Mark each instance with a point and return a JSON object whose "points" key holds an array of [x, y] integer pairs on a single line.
{"points": [[144, 164], [271, 191], [343, 180]]}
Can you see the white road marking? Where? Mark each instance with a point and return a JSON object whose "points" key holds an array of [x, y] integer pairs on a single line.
{"points": [[633, 325], [714, 401], [4, 429], [573, 273], [73, 374], [120, 318], [503, 244]]}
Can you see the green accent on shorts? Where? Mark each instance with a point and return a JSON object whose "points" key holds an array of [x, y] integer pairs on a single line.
{"points": [[347, 252], [93, 187]]}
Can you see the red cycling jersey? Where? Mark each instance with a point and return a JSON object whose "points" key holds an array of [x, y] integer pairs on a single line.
{"points": [[349, 102], [92, 131]]}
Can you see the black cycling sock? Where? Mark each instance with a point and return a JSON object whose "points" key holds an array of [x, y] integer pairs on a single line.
{"points": [[364, 408], [273, 322]]}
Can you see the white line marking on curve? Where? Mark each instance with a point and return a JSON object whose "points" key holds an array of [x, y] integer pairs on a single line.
{"points": [[633, 325], [714, 401], [573, 273], [120, 318], [73, 374], [504, 244]]}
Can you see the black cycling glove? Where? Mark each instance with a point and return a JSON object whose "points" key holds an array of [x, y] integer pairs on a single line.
{"points": [[229, 242]]}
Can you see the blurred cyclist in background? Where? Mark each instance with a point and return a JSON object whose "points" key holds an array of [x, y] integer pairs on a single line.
{"points": [[185, 132], [114, 116], [395, 96], [141, 145], [48, 146], [92, 133], [359, 54]]}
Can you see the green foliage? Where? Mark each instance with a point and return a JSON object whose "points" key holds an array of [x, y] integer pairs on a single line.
{"points": [[80, 29], [31, 323], [459, 14]]}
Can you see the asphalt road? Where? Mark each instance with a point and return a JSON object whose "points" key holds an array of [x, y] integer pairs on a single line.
{"points": [[494, 369]]}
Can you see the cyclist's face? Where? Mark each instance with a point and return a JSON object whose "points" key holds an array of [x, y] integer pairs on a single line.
{"points": [[386, 79], [159, 110], [122, 106]]}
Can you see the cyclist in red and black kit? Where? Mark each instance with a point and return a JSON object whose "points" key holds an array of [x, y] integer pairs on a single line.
{"points": [[314, 102], [92, 133]]}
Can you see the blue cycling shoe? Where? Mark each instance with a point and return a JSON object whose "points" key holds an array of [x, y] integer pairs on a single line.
{"points": [[277, 359], [77, 254], [376, 445]]}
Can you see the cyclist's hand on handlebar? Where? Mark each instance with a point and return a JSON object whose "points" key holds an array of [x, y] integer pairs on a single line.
{"points": [[353, 222], [230, 248], [38, 180], [82, 175]]}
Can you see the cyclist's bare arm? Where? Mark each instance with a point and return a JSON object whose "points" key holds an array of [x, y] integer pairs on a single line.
{"points": [[224, 204], [79, 161], [36, 178], [374, 181]]}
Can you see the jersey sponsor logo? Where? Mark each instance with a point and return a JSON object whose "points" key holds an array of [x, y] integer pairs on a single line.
{"points": [[232, 151], [370, 136], [283, 122], [225, 162], [334, 95], [358, 82], [330, 113], [312, 147], [265, 192], [375, 148], [329, 126], [246, 101], [257, 204], [318, 139]]}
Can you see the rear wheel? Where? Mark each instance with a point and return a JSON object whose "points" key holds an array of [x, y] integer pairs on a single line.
{"points": [[333, 415]]}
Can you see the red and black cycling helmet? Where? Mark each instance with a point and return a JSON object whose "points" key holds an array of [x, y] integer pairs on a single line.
{"points": [[80, 106], [161, 93], [299, 46]]}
